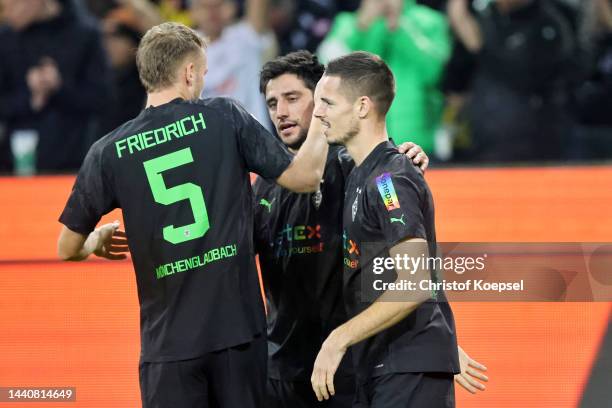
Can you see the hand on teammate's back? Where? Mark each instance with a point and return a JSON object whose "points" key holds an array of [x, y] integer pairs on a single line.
{"points": [[109, 242], [470, 374]]}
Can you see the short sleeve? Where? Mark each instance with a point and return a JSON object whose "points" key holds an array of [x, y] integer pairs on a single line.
{"points": [[396, 203], [262, 152], [91, 196]]}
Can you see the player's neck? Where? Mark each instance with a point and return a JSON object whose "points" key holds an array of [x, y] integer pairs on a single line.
{"points": [[362, 144], [164, 96]]}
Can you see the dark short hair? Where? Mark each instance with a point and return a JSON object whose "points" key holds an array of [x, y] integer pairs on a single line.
{"points": [[302, 64], [365, 74]]}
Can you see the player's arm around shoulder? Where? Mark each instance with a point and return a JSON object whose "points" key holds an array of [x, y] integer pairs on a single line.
{"points": [[265, 154]]}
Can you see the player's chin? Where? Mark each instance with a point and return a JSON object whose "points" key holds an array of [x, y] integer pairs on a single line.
{"points": [[331, 138], [292, 138]]}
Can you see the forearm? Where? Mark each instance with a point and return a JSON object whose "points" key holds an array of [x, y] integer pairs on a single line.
{"points": [[422, 47], [604, 10], [387, 311], [257, 14], [85, 250], [351, 34], [148, 15], [368, 35], [306, 170], [466, 28], [376, 318], [72, 246]]}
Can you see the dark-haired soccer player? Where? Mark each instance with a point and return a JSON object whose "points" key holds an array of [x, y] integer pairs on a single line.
{"points": [[180, 173], [404, 345], [299, 240]]}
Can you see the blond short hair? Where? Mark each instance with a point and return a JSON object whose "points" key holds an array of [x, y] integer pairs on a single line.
{"points": [[162, 49]]}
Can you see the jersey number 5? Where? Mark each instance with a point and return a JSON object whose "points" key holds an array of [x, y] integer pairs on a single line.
{"points": [[187, 191]]}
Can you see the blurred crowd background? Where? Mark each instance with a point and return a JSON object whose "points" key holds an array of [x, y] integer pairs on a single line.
{"points": [[478, 82]]}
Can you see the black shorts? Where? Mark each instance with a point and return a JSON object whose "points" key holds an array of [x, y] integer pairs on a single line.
{"points": [[230, 378], [407, 390], [299, 394]]}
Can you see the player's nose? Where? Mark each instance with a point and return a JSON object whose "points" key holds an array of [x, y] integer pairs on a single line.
{"points": [[282, 110], [319, 111]]}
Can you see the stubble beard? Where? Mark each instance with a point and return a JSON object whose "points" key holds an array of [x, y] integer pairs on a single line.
{"points": [[299, 141], [350, 134]]}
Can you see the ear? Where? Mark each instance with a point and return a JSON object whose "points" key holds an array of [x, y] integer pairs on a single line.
{"points": [[189, 73], [364, 106]]}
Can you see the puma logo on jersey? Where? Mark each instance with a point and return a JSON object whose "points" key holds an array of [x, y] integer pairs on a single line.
{"points": [[400, 220], [267, 204]]}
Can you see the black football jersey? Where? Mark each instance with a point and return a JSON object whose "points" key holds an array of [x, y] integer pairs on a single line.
{"points": [[180, 173], [299, 241], [387, 201]]}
